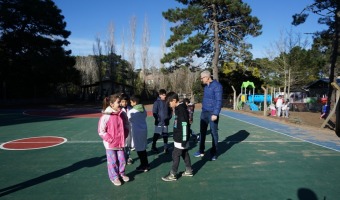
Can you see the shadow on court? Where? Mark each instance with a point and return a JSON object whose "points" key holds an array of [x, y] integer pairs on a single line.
{"points": [[223, 147], [92, 162], [306, 194], [155, 160]]}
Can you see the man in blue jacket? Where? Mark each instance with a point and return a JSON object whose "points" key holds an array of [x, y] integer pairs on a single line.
{"points": [[211, 107]]}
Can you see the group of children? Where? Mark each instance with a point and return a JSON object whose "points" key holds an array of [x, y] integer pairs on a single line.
{"points": [[123, 128], [281, 107]]}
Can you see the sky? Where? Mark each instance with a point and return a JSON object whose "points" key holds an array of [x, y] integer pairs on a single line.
{"points": [[89, 19]]}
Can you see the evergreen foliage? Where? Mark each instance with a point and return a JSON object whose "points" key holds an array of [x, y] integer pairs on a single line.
{"points": [[328, 39], [211, 29], [33, 61]]}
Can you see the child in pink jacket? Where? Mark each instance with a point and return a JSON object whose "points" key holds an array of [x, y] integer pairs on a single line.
{"points": [[113, 129]]}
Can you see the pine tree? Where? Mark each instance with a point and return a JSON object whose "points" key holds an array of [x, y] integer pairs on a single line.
{"points": [[33, 59], [213, 29], [329, 12]]}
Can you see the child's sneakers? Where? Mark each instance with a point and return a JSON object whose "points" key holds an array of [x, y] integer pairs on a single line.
{"points": [[129, 161], [187, 173], [166, 150], [116, 182], [198, 154], [143, 168], [169, 177], [125, 178]]}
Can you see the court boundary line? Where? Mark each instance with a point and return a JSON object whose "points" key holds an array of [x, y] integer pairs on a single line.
{"points": [[233, 141]]}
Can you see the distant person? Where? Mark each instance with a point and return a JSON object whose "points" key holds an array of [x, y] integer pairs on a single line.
{"points": [[113, 129], [137, 117], [285, 109], [191, 110], [324, 111], [272, 109], [279, 103], [181, 138], [126, 107], [211, 108], [162, 114]]}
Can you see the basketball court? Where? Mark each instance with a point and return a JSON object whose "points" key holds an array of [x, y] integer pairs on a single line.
{"points": [[57, 154]]}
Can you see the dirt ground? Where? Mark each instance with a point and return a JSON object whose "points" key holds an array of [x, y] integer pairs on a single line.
{"points": [[306, 119]]}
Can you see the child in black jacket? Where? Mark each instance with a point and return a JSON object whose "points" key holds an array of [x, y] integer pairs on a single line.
{"points": [[181, 137]]}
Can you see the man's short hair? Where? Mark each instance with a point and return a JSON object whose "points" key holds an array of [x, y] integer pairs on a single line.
{"points": [[206, 73]]}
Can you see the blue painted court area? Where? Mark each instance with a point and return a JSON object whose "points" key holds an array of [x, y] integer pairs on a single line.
{"points": [[258, 159]]}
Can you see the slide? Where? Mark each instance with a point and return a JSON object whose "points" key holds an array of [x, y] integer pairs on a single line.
{"points": [[253, 107]]}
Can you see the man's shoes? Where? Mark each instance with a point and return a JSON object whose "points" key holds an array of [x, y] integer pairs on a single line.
{"points": [[142, 168], [213, 158], [198, 154], [154, 149], [169, 177], [166, 150], [187, 173]]}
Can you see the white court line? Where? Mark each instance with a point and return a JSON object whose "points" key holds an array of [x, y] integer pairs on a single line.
{"points": [[257, 141], [33, 142], [81, 142], [262, 141], [281, 133]]}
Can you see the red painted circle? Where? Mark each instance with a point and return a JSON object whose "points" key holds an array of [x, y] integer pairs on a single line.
{"points": [[33, 143]]}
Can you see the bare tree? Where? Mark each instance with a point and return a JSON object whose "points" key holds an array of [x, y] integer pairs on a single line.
{"points": [[110, 43], [122, 47], [97, 51], [110, 52], [163, 40], [88, 72], [280, 54], [145, 48], [88, 69], [162, 78], [132, 45], [191, 78]]}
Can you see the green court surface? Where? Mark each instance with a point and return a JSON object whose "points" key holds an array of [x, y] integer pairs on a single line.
{"points": [[255, 162]]}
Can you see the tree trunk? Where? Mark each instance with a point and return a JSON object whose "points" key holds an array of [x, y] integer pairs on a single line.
{"points": [[334, 54], [288, 89], [216, 45]]}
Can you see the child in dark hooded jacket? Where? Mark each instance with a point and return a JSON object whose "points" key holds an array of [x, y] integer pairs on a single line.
{"points": [[181, 137]]}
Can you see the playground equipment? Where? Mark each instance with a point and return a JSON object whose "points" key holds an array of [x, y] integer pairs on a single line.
{"points": [[251, 98]]}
